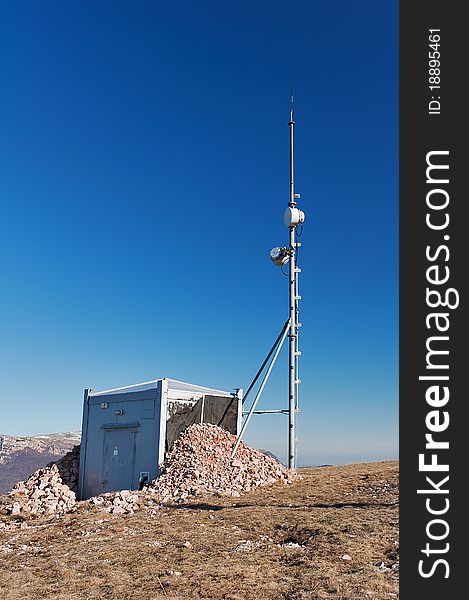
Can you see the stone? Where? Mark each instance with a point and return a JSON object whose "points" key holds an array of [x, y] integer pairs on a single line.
{"points": [[118, 510]]}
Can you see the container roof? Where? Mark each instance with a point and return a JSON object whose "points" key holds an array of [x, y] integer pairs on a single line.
{"points": [[173, 384]]}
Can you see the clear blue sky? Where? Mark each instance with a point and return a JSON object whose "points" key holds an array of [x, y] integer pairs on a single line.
{"points": [[143, 179]]}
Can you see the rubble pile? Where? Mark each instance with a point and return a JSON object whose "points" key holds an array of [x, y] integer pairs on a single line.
{"points": [[68, 467], [43, 493], [200, 463], [118, 503]]}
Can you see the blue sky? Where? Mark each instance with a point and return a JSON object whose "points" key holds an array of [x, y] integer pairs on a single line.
{"points": [[143, 179]]}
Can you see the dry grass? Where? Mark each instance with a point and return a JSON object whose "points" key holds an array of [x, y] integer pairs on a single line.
{"points": [[222, 548]]}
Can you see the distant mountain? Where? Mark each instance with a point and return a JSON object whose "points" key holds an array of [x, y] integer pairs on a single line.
{"points": [[269, 453], [22, 455]]}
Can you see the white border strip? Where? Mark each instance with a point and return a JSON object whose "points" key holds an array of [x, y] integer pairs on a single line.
{"points": [[125, 387]]}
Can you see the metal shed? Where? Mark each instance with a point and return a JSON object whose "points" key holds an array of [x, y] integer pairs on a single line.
{"points": [[127, 430]]}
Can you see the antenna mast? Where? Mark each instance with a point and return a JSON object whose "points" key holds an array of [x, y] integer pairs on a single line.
{"points": [[293, 303], [293, 217]]}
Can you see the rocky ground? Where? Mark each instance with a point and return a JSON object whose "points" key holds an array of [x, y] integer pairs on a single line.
{"points": [[332, 534], [211, 526]]}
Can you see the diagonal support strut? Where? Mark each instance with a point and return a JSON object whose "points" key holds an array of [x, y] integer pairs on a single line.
{"points": [[261, 388]]}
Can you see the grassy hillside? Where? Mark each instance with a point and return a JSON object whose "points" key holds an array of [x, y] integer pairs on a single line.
{"points": [[332, 535]]}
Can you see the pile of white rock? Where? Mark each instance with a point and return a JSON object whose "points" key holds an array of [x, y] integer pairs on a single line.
{"points": [[42, 494], [200, 463]]}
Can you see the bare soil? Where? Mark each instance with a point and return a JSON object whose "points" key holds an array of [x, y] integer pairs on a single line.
{"points": [[333, 534]]}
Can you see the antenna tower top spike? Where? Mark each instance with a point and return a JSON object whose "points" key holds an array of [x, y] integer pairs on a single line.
{"points": [[291, 102]]}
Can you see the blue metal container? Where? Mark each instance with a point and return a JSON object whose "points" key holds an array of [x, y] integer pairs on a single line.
{"points": [[126, 431]]}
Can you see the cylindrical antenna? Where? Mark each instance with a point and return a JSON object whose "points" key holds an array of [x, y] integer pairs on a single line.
{"points": [[291, 124]]}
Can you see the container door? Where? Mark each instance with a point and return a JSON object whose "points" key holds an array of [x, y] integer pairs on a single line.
{"points": [[118, 460]]}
